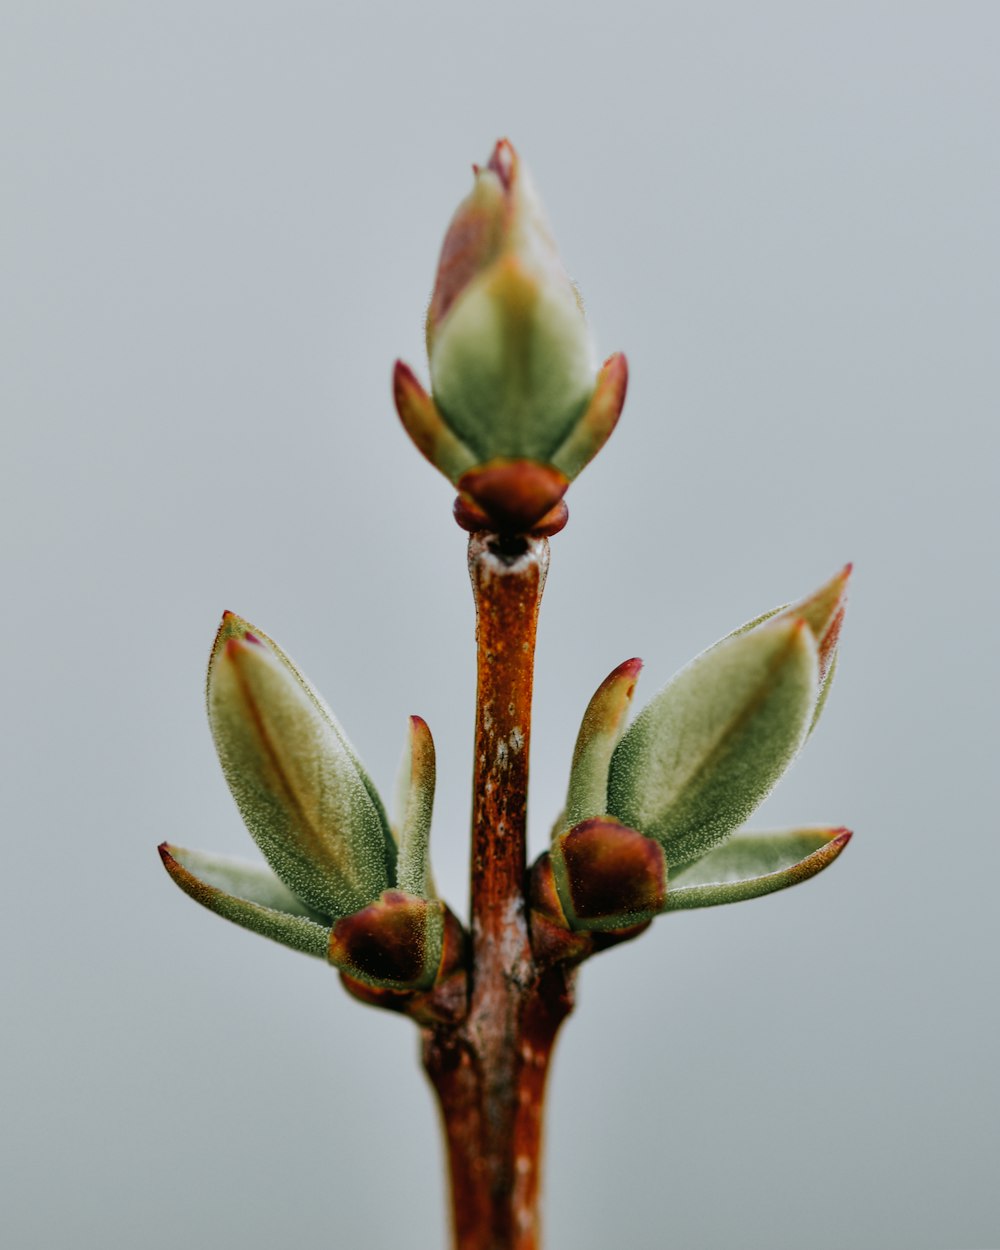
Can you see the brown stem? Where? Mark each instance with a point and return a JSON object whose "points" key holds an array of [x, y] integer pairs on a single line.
{"points": [[489, 1070]]}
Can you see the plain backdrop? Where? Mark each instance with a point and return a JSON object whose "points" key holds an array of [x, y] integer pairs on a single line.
{"points": [[220, 224]]}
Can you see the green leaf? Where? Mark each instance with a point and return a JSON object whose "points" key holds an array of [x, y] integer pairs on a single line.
{"points": [[417, 775], [824, 691], [305, 798], [427, 428], [598, 421], [234, 626], [823, 612], [600, 732], [710, 746], [750, 865], [249, 895], [512, 367]]}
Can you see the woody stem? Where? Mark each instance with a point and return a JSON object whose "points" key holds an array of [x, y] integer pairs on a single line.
{"points": [[489, 1071]]}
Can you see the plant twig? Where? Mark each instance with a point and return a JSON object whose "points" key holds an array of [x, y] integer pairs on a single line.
{"points": [[489, 1071]]}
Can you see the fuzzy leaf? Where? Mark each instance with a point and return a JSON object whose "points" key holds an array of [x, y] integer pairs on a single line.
{"points": [[426, 427], [822, 611], [710, 746], [600, 732], [413, 870], [824, 692], [750, 865], [249, 895], [298, 784], [512, 366], [234, 626], [598, 421]]}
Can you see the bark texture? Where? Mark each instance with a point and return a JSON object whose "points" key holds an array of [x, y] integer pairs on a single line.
{"points": [[489, 1070]]}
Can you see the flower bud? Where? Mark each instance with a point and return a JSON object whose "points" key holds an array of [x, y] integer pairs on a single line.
{"points": [[518, 405]]}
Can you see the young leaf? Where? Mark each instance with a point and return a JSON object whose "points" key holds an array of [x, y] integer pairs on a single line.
{"points": [[249, 895], [413, 870], [750, 865], [823, 611], [599, 419], [295, 779], [426, 427], [600, 732], [710, 746]]}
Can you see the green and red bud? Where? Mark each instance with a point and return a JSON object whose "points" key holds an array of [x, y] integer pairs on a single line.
{"points": [[519, 407], [608, 876], [395, 942]]}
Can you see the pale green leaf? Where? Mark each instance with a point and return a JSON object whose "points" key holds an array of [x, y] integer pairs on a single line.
{"points": [[710, 746], [600, 732], [249, 895], [750, 865], [297, 782], [512, 364], [417, 777]]}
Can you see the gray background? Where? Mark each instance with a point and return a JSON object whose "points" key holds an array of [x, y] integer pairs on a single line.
{"points": [[219, 227]]}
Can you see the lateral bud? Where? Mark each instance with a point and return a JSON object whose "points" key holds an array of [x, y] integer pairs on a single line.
{"points": [[608, 877], [405, 954]]}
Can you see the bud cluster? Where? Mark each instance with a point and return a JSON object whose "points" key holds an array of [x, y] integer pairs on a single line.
{"points": [[516, 410], [651, 810], [341, 883]]}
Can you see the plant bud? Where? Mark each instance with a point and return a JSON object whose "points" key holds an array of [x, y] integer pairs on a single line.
{"points": [[608, 876], [512, 363], [519, 407], [393, 943], [303, 794]]}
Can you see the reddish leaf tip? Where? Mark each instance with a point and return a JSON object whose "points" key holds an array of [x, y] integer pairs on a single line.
{"points": [[630, 668], [172, 866], [503, 162]]}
